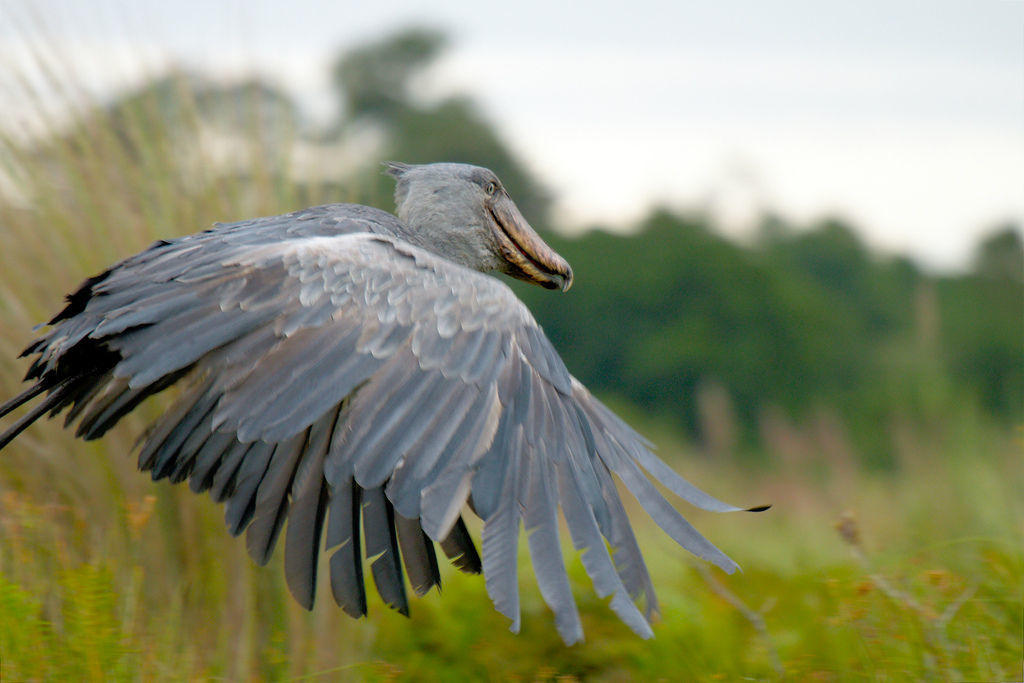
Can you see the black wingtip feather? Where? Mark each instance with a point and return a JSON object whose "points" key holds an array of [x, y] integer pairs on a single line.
{"points": [[382, 549], [272, 499], [52, 402], [100, 420], [417, 554], [262, 535], [31, 348], [224, 476], [458, 547], [22, 398], [302, 543], [80, 297], [346, 565], [241, 506]]}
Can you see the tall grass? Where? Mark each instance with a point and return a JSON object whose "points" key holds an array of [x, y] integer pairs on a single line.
{"points": [[106, 576], [906, 577]]}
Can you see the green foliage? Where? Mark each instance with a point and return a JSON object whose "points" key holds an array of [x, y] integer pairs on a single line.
{"points": [[926, 586], [801, 319], [22, 633], [85, 640], [982, 330], [1000, 256]]}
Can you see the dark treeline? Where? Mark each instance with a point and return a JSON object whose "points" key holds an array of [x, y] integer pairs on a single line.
{"points": [[801, 319]]}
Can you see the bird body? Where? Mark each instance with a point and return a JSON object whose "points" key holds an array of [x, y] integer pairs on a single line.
{"points": [[352, 370]]}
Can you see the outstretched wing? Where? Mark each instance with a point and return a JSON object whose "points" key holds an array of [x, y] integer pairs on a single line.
{"points": [[346, 379]]}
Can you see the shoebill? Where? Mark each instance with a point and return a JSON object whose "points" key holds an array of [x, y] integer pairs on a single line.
{"points": [[349, 370]]}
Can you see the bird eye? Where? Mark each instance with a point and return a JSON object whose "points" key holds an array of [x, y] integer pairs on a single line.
{"points": [[491, 188]]}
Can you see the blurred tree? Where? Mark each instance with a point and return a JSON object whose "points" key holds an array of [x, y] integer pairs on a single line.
{"points": [[375, 84], [804, 318], [1000, 256], [982, 323], [660, 313], [375, 79]]}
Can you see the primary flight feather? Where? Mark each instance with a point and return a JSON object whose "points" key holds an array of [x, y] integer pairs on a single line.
{"points": [[352, 370]]}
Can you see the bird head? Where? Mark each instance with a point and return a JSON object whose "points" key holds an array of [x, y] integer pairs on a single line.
{"points": [[463, 213]]}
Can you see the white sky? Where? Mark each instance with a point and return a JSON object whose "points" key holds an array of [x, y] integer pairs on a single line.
{"points": [[906, 117]]}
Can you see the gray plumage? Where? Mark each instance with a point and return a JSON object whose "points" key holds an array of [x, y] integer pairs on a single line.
{"points": [[357, 370]]}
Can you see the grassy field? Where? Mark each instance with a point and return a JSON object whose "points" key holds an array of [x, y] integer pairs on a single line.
{"points": [[917, 575], [913, 574]]}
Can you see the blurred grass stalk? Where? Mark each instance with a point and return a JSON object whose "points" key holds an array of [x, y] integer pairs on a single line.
{"points": [[105, 576]]}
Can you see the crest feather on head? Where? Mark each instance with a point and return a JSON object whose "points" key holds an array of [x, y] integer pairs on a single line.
{"points": [[396, 169]]}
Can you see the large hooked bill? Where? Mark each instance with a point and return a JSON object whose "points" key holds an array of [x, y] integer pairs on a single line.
{"points": [[528, 257]]}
